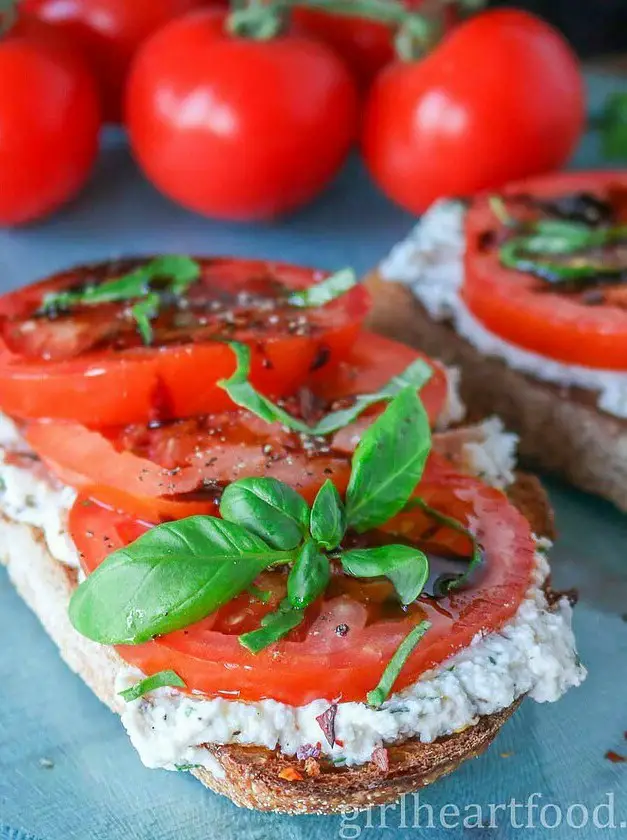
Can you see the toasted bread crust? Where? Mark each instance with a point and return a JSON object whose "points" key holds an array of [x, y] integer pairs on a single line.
{"points": [[561, 430], [250, 776]]}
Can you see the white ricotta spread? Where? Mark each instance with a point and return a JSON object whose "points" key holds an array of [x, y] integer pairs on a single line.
{"points": [[533, 654], [30, 496], [430, 261], [484, 449]]}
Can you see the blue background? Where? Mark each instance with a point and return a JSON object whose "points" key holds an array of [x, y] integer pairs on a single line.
{"points": [[97, 787]]}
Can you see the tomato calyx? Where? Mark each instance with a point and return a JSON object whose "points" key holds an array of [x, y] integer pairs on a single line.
{"points": [[8, 15]]}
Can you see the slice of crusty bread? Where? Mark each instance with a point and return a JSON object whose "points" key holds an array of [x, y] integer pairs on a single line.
{"points": [[250, 775], [561, 430]]}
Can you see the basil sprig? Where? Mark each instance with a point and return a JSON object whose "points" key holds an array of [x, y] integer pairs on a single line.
{"points": [[158, 680], [319, 294], [178, 273], [179, 572], [538, 243], [244, 394]]}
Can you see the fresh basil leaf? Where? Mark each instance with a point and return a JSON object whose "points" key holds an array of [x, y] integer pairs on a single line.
{"points": [[405, 566], [327, 522], [447, 582], [613, 124], [309, 576], [417, 374], [268, 508], [173, 575], [395, 665], [244, 394], [274, 627], [180, 272], [324, 292], [159, 680], [388, 462], [144, 311]]}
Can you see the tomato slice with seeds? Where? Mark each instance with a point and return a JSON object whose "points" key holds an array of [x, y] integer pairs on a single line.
{"points": [[91, 365], [316, 659], [177, 469], [571, 327]]}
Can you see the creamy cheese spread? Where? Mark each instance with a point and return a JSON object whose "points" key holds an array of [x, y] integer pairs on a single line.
{"points": [[29, 495], [430, 262], [533, 654]]}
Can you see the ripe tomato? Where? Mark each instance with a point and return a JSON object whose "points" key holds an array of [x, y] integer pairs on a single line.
{"points": [[527, 311], [314, 660], [90, 364], [179, 469], [49, 122], [109, 32], [449, 125], [236, 128]]}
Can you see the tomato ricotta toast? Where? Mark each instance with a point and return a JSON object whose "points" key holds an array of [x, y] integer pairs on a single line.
{"points": [[525, 290], [262, 535]]}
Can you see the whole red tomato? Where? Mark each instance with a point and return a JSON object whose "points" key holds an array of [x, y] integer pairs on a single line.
{"points": [[109, 33], [237, 128], [501, 98], [49, 122]]}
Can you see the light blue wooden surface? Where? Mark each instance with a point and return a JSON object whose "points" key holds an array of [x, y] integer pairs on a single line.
{"points": [[97, 788]]}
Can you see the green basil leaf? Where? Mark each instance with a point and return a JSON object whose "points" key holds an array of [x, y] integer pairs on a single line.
{"points": [[309, 576], [388, 462], [327, 522], [180, 271], [405, 566], [268, 508], [274, 627], [159, 680], [614, 126], [173, 575], [416, 375], [144, 311], [447, 582], [324, 292], [244, 394], [395, 665]]}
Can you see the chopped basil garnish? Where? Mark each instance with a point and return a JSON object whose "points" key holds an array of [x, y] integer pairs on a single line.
{"points": [[159, 680], [446, 583], [274, 626], [559, 251], [388, 462], [406, 567], [328, 518], [319, 294], [395, 665], [177, 274], [244, 394]]}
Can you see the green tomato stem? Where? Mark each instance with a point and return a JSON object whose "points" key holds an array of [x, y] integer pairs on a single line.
{"points": [[8, 15]]}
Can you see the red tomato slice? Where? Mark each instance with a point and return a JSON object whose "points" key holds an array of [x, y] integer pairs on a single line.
{"points": [[314, 660], [523, 309], [92, 367], [177, 469]]}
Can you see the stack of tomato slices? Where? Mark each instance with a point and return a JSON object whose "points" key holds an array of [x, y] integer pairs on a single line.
{"points": [[566, 323], [137, 462]]}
